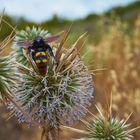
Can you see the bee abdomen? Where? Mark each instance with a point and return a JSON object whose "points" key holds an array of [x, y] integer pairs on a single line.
{"points": [[42, 69], [38, 61], [40, 57], [41, 60]]}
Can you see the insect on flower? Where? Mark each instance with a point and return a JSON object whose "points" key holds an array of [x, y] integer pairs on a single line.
{"points": [[64, 93], [38, 50]]}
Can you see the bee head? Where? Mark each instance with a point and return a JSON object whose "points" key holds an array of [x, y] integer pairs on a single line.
{"points": [[38, 41]]}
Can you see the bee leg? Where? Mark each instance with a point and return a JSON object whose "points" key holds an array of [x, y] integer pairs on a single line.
{"points": [[29, 52], [51, 54]]}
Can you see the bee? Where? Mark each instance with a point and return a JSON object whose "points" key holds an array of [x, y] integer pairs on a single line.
{"points": [[39, 49]]}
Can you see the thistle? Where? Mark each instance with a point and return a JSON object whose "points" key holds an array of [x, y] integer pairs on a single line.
{"points": [[7, 78], [111, 129], [101, 128], [104, 127], [59, 97]]}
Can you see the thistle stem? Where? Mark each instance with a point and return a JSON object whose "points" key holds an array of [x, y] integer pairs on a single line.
{"points": [[50, 134]]}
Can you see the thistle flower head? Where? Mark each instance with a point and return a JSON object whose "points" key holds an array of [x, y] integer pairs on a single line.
{"points": [[108, 128], [6, 76], [62, 95], [112, 129], [6, 69]]}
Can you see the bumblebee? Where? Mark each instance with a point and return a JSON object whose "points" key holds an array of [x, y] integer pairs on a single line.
{"points": [[39, 49]]}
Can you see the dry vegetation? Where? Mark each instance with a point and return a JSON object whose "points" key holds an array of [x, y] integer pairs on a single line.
{"points": [[119, 52]]}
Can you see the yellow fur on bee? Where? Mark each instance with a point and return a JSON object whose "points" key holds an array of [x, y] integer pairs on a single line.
{"points": [[37, 54], [40, 53], [43, 53], [37, 61], [44, 60]]}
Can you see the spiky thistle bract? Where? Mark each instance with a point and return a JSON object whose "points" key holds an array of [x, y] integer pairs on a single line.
{"points": [[62, 95], [111, 129], [7, 71], [6, 76], [107, 127], [104, 127]]}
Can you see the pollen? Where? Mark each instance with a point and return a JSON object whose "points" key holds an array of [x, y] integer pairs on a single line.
{"points": [[44, 60], [38, 61]]}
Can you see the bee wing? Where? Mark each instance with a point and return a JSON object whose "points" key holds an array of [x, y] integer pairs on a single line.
{"points": [[24, 43], [51, 38]]}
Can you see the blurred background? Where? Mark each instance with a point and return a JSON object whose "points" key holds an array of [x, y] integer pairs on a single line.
{"points": [[113, 44]]}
